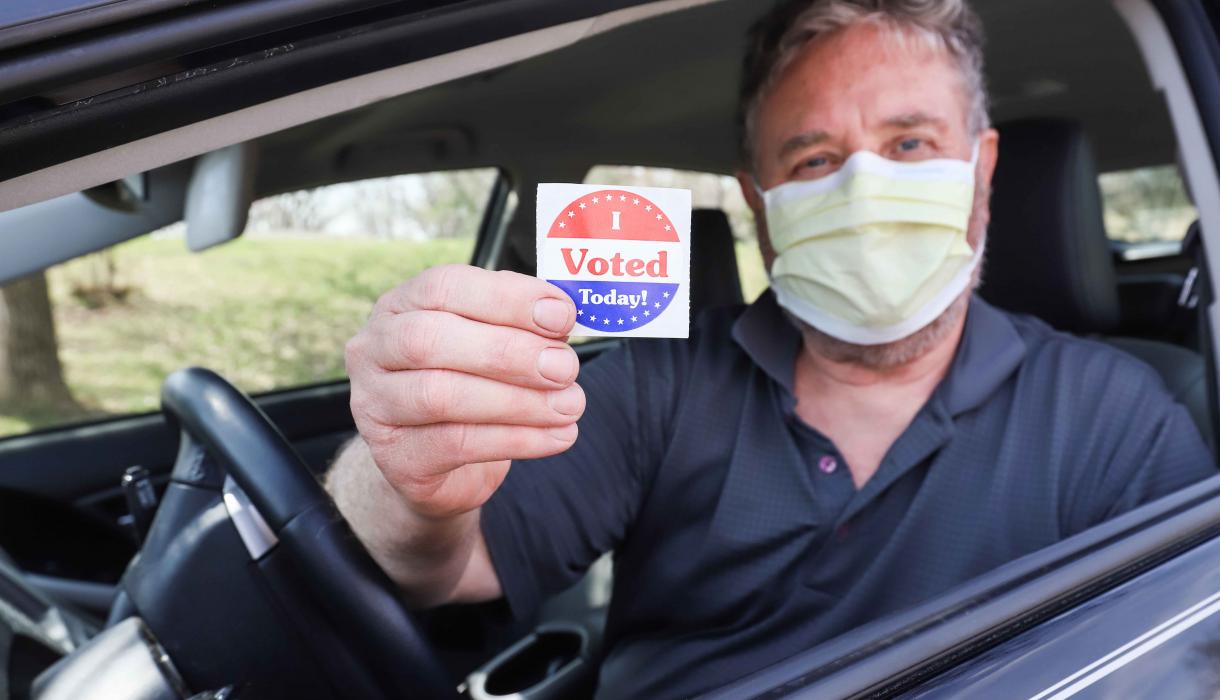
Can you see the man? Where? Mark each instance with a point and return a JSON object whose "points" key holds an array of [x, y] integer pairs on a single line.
{"points": [[867, 436]]}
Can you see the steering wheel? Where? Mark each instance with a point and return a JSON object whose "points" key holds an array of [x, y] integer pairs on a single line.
{"points": [[291, 510]]}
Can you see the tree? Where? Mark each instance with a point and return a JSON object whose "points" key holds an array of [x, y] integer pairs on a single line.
{"points": [[30, 370]]}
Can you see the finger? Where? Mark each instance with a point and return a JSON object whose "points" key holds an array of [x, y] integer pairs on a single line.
{"points": [[431, 396], [441, 340], [500, 298], [436, 449]]}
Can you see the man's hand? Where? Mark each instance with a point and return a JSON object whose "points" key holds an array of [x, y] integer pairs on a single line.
{"points": [[458, 372]]}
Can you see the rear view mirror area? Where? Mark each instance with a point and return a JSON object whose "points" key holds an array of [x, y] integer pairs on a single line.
{"points": [[219, 196], [212, 193]]}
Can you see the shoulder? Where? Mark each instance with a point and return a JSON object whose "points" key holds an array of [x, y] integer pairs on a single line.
{"points": [[1091, 364]]}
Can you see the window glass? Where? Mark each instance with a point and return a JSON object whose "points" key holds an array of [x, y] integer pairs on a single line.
{"points": [[269, 310], [707, 191], [1146, 205]]}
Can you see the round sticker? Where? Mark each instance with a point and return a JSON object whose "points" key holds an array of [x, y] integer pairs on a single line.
{"points": [[616, 290]]}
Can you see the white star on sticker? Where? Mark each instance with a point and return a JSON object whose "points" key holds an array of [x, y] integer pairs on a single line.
{"points": [[635, 201], [658, 217], [647, 313], [606, 321], [620, 322], [666, 227], [571, 213], [658, 304], [580, 312], [634, 319], [622, 198], [563, 224], [665, 294], [582, 205], [596, 200], [648, 208], [592, 318]]}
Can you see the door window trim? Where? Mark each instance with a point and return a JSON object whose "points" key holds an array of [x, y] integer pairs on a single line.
{"points": [[312, 104]]}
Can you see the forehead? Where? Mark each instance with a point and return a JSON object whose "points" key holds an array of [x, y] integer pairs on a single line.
{"points": [[865, 75]]}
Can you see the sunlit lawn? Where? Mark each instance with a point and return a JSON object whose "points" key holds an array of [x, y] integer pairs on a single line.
{"points": [[264, 312]]}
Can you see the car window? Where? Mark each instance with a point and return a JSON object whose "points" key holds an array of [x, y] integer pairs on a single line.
{"points": [[96, 336], [1146, 205], [709, 191]]}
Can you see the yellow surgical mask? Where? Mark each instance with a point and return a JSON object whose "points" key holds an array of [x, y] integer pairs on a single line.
{"points": [[875, 251]]}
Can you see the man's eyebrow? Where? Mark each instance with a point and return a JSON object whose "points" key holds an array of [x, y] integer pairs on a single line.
{"points": [[805, 140], [911, 120]]}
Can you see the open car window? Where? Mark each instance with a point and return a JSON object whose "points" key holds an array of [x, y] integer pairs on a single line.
{"points": [[271, 309]]}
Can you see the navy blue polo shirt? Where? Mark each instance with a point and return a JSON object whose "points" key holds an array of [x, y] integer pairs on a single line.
{"points": [[739, 538]]}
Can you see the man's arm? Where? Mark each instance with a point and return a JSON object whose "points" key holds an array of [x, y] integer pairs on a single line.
{"points": [[435, 561], [458, 372], [1142, 444]]}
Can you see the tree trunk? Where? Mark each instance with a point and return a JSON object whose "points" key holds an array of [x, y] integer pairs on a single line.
{"points": [[30, 371]]}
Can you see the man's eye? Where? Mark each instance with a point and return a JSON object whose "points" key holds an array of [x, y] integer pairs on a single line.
{"points": [[910, 145], [814, 167]]}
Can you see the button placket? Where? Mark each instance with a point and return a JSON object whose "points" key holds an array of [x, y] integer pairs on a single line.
{"points": [[828, 464]]}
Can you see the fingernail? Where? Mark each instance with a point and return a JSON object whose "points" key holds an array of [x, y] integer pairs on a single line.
{"points": [[569, 401], [557, 364], [551, 314], [566, 433]]}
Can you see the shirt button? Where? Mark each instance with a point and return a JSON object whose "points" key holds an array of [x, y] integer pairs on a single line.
{"points": [[828, 464]]}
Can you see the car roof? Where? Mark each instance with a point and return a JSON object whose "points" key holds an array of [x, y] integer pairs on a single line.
{"points": [[660, 91], [663, 92]]}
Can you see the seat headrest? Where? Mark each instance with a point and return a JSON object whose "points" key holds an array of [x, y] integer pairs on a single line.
{"points": [[713, 261], [1047, 251]]}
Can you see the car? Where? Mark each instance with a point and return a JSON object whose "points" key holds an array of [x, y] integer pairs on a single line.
{"points": [[200, 201]]}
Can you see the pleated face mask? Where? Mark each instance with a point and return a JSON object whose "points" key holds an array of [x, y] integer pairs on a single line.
{"points": [[875, 251]]}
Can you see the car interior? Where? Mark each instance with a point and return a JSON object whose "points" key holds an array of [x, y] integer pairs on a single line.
{"points": [[1071, 98]]}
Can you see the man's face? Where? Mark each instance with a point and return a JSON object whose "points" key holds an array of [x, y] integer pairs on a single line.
{"points": [[864, 88]]}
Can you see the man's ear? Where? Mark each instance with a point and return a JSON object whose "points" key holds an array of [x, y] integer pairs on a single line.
{"points": [[980, 217], [989, 151], [749, 190], [745, 180]]}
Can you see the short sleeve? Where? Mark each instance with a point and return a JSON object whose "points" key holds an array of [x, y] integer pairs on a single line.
{"points": [[1154, 448], [553, 517]]}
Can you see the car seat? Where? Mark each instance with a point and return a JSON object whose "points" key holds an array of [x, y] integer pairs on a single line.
{"points": [[1048, 254]]}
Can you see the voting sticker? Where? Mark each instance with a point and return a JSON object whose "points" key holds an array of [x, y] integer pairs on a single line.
{"points": [[621, 253]]}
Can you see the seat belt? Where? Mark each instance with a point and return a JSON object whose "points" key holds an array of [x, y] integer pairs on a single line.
{"points": [[1197, 295]]}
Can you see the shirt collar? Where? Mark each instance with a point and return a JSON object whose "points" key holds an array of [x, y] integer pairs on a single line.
{"points": [[990, 350]]}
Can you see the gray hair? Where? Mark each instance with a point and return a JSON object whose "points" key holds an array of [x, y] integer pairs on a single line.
{"points": [[775, 41]]}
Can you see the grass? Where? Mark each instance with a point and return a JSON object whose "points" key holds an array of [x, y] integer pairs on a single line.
{"points": [[265, 313]]}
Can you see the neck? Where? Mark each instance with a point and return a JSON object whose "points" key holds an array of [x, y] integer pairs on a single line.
{"points": [[820, 375], [863, 409], [930, 366]]}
